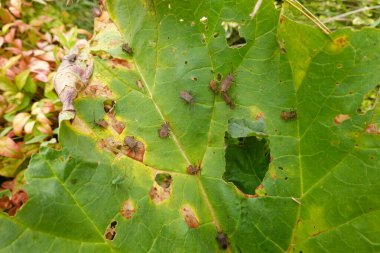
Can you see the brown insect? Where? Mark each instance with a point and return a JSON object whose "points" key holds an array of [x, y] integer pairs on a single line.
{"points": [[226, 83], [163, 132], [127, 49], [222, 240], [193, 169], [187, 97], [228, 100], [214, 87], [140, 84], [288, 115], [132, 143], [101, 123]]}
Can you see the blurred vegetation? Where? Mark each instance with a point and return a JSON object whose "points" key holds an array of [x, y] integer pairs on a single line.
{"points": [[340, 13], [34, 37]]}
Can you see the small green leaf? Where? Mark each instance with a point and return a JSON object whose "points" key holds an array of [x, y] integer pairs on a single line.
{"points": [[21, 79]]}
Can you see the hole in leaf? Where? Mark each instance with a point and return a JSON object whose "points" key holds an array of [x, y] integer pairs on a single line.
{"points": [[222, 240], [111, 231], [108, 105], [216, 35], [234, 40], [247, 154], [369, 100], [164, 180]]}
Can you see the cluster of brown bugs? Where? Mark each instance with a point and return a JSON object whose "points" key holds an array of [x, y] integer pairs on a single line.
{"points": [[225, 86], [288, 115]]}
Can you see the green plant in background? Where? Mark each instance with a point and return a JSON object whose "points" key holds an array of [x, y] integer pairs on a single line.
{"points": [[308, 110], [34, 37], [340, 13]]}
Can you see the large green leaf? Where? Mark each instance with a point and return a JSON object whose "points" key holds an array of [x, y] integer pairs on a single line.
{"points": [[323, 180]]}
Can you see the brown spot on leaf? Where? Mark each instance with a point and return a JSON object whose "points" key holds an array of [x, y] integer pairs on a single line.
{"points": [[372, 129], [127, 210], [248, 196], [115, 62], [341, 41], [260, 115], [111, 231], [159, 194], [317, 233], [110, 144], [340, 118], [222, 240], [190, 217], [282, 19], [118, 126], [101, 123], [97, 90]]}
